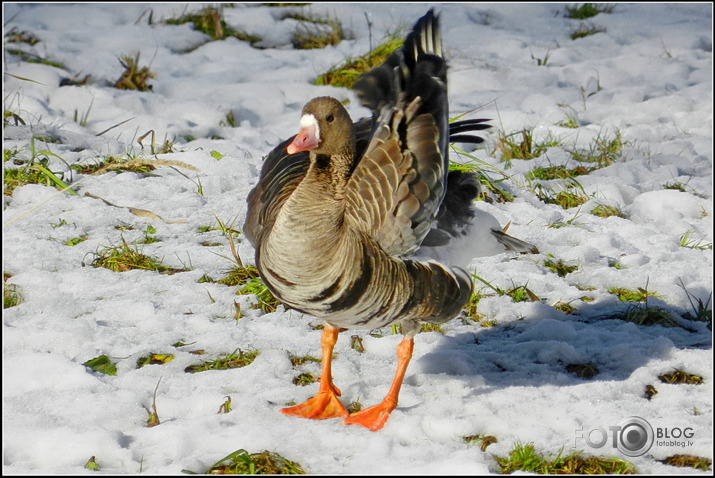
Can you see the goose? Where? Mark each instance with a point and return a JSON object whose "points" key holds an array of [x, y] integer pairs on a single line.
{"points": [[342, 209]]}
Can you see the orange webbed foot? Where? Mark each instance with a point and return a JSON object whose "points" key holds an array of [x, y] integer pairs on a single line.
{"points": [[374, 417], [322, 406]]}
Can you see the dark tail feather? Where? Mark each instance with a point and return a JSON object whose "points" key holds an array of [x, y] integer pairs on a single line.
{"points": [[375, 88], [455, 212], [456, 128], [455, 215], [514, 244], [469, 125]]}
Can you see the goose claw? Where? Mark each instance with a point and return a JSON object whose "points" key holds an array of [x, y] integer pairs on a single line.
{"points": [[373, 418], [322, 406]]}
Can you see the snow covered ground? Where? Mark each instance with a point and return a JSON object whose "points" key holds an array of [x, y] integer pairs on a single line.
{"points": [[648, 77]]}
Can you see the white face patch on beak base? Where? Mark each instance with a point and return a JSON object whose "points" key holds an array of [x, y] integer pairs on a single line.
{"points": [[308, 121], [308, 137]]}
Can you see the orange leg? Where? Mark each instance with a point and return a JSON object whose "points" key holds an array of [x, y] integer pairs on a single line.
{"points": [[325, 404], [375, 417]]}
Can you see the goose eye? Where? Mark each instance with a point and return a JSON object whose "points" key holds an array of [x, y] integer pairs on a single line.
{"points": [[330, 118]]}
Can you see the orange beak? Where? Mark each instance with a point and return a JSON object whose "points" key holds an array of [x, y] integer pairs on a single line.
{"points": [[307, 138]]}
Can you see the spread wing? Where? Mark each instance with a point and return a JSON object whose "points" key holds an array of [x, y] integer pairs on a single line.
{"points": [[397, 187], [398, 184], [398, 179]]}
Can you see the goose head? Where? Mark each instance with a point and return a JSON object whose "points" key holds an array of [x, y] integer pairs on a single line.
{"points": [[325, 129]]}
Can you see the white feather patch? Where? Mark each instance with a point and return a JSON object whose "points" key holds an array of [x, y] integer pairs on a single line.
{"points": [[309, 121]]}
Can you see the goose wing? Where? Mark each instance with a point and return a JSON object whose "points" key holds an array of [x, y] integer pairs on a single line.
{"points": [[281, 172], [280, 175], [398, 184]]}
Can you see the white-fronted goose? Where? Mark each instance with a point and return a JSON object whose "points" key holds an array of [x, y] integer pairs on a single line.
{"points": [[341, 207]]}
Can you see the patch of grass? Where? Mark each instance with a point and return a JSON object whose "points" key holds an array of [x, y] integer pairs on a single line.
{"points": [[84, 118], [10, 154], [702, 310], [603, 210], [686, 240], [569, 222], [154, 359], [585, 29], [542, 61], [133, 77], [166, 147], [650, 392], [248, 277], [295, 360], [266, 462], [356, 343], [223, 228], [675, 187], [525, 458], [628, 295], [557, 172], [354, 406], [92, 464], [304, 379], [118, 164], [15, 35], [316, 32], [470, 309], [603, 152], [267, 302], [482, 440], [559, 267], [570, 196], [210, 21], [692, 461], [643, 314], [32, 58], [124, 258], [565, 307], [517, 293], [424, 327], [470, 312], [153, 413], [148, 238], [346, 74], [7, 116], [76, 240], [491, 191], [588, 10], [680, 376], [102, 364], [76, 80], [570, 120], [203, 280], [229, 121], [11, 295], [225, 406], [59, 223], [35, 170], [582, 370], [226, 361], [510, 147]]}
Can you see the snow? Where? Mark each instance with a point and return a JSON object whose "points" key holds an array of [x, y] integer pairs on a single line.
{"points": [[649, 77]]}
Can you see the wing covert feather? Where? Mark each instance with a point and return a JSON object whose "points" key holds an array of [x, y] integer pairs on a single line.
{"points": [[395, 190]]}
